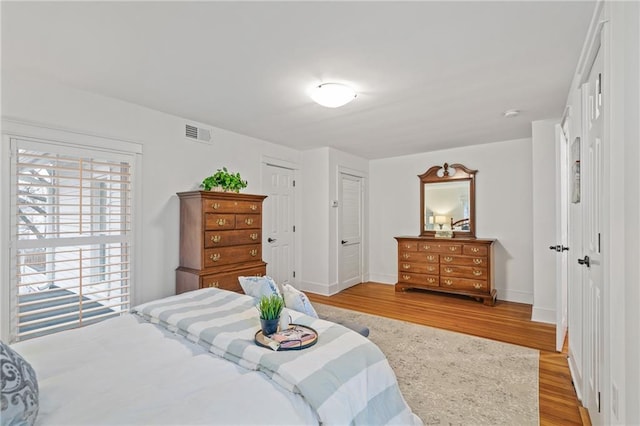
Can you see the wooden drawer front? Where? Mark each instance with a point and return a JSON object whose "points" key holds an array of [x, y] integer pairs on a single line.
{"points": [[408, 246], [248, 221], [464, 260], [463, 283], [422, 268], [440, 248], [230, 281], [421, 279], [226, 255], [410, 256], [229, 206], [219, 221], [463, 271], [474, 250], [228, 238]]}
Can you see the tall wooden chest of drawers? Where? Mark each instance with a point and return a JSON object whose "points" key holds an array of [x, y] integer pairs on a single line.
{"points": [[457, 266], [220, 239]]}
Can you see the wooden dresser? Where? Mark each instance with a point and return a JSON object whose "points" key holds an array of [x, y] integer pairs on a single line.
{"points": [[220, 239], [458, 266]]}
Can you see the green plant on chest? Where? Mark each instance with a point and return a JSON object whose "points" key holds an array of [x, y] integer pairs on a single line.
{"points": [[224, 180]]}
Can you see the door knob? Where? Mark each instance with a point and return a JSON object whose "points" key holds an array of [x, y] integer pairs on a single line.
{"points": [[344, 241], [585, 261], [271, 240]]}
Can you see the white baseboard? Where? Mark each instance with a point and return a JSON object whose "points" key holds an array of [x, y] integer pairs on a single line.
{"points": [[318, 288], [543, 315], [515, 296], [383, 278]]}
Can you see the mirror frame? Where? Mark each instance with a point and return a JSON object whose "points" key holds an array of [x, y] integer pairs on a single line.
{"points": [[461, 174]]}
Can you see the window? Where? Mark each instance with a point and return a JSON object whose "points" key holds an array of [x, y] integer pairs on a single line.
{"points": [[72, 236]]}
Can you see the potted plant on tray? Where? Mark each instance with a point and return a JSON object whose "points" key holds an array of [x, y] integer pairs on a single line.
{"points": [[270, 308], [223, 180]]}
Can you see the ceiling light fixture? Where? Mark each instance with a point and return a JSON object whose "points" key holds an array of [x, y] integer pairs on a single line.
{"points": [[511, 113], [333, 95]]}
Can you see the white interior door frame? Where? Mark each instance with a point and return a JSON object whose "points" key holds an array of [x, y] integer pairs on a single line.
{"points": [[351, 241], [280, 211]]}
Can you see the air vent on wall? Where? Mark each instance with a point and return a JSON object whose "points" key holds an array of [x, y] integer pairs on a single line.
{"points": [[197, 133]]}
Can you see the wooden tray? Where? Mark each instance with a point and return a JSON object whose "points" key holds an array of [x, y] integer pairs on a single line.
{"points": [[264, 341]]}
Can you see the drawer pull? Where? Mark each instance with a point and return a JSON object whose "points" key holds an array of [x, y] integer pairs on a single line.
{"points": [[253, 207], [215, 206], [253, 236], [431, 268], [406, 266], [431, 280], [426, 247], [477, 286], [215, 257], [407, 246], [253, 252], [475, 249], [453, 248], [477, 261], [431, 258], [448, 282], [406, 277], [221, 222], [248, 221], [215, 284], [477, 272], [448, 259], [216, 238], [448, 270], [406, 255]]}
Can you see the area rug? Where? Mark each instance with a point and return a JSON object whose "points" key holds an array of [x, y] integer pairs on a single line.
{"points": [[451, 378]]}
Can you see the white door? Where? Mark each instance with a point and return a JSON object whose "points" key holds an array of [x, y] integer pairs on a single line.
{"points": [[576, 271], [278, 223], [350, 230], [592, 256], [561, 248]]}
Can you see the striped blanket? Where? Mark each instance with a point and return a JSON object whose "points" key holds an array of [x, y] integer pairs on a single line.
{"points": [[344, 377]]}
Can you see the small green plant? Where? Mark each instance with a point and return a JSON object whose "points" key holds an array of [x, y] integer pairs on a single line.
{"points": [[270, 307], [224, 179]]}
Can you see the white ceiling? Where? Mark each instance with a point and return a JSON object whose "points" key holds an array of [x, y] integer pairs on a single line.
{"points": [[430, 75]]}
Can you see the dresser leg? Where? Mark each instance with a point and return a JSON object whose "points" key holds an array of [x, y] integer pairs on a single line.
{"points": [[491, 300]]}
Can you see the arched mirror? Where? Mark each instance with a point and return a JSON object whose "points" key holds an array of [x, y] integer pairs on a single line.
{"points": [[447, 202]]}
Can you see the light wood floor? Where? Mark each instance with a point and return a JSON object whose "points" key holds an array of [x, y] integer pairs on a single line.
{"points": [[506, 321]]}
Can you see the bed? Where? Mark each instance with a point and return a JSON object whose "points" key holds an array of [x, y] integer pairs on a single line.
{"points": [[191, 359]]}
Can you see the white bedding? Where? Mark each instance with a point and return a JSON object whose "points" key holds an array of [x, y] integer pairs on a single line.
{"points": [[125, 371]]}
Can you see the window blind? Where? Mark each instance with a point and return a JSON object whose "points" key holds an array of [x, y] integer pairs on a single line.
{"points": [[72, 241]]}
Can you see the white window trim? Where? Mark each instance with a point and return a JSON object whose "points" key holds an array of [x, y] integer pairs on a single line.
{"points": [[24, 129]]}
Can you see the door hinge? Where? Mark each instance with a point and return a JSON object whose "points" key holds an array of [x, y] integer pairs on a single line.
{"points": [[598, 401], [294, 228], [294, 183], [294, 274], [598, 242]]}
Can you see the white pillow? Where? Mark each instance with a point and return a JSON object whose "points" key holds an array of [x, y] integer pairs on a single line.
{"points": [[298, 301], [259, 286]]}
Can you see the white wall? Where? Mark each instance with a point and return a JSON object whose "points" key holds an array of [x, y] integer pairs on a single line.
{"points": [[171, 163], [503, 209], [624, 210], [544, 220]]}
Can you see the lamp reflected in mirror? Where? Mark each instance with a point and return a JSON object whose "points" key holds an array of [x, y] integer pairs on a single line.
{"points": [[441, 220]]}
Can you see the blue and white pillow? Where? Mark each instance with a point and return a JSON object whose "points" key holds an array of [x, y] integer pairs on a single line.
{"points": [[259, 286], [19, 394], [298, 301]]}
